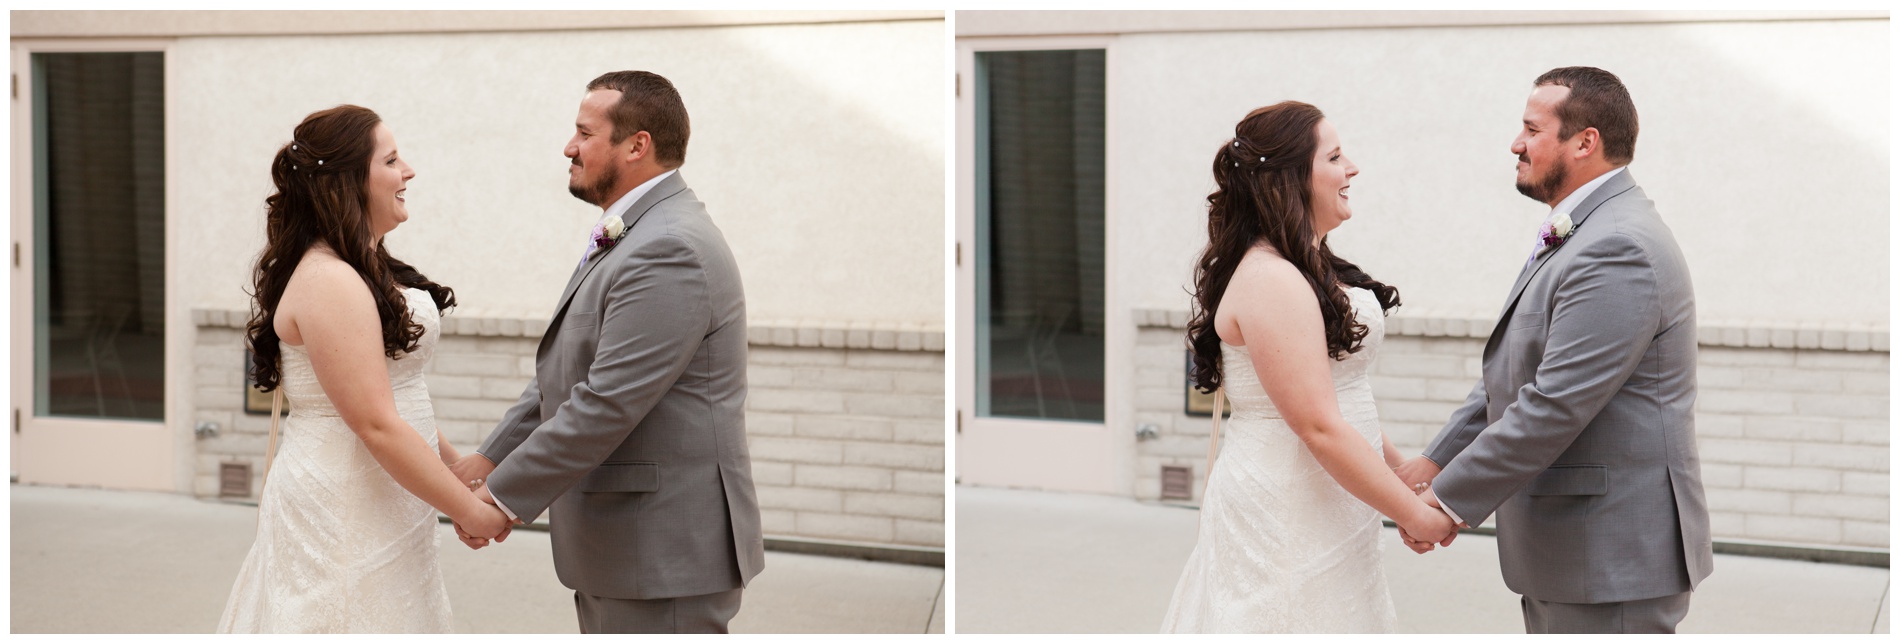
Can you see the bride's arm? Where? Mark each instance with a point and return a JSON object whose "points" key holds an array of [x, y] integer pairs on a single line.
{"points": [[445, 450], [1393, 458], [1279, 319], [343, 335]]}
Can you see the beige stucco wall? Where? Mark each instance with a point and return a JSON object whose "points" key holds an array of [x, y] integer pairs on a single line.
{"points": [[174, 23], [819, 150], [1764, 144], [1005, 24]]}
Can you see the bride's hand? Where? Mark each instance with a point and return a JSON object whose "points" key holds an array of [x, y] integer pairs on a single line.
{"points": [[1429, 525], [487, 522], [1420, 547], [472, 469], [477, 543], [1416, 470]]}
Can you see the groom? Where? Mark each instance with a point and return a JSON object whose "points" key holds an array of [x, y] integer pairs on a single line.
{"points": [[632, 431], [1581, 435]]}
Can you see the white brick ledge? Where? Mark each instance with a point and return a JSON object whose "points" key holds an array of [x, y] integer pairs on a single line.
{"points": [[1830, 336], [889, 336]]}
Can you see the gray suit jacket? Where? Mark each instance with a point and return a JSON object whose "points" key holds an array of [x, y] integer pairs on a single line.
{"points": [[633, 428], [1581, 436]]}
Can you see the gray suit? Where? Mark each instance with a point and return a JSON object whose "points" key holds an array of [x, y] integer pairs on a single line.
{"points": [[633, 429], [1581, 436]]}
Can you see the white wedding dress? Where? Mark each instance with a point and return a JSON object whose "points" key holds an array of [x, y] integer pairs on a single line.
{"points": [[341, 548], [1283, 548]]}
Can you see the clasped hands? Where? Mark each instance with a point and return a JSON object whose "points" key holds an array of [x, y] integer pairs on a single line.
{"points": [[1431, 528], [493, 524]]}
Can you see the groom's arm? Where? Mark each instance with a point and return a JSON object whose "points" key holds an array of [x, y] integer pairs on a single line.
{"points": [[1461, 429], [657, 311], [1605, 312], [1464, 426], [516, 425]]}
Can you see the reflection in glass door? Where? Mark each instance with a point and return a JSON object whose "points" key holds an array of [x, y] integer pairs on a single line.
{"points": [[99, 235], [1039, 238]]}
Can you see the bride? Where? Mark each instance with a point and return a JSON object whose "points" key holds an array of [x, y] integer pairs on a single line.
{"points": [[1289, 531], [346, 538]]}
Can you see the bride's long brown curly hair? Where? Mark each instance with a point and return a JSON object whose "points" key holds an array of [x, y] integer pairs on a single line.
{"points": [[1264, 176], [326, 203]]}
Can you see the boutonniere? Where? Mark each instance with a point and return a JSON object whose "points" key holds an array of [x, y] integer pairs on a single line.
{"points": [[607, 233], [1556, 231]]}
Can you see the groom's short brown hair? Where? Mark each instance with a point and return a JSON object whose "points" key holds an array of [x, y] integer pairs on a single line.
{"points": [[1597, 99], [648, 102]]}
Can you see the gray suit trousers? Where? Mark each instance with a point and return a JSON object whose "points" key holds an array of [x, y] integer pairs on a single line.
{"points": [[1657, 615], [697, 614]]}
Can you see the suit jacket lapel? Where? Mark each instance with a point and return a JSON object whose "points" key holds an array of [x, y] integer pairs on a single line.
{"points": [[1610, 189], [667, 187]]}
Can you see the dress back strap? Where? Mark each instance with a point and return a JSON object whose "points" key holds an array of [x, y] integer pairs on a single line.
{"points": [[1213, 443], [270, 451]]}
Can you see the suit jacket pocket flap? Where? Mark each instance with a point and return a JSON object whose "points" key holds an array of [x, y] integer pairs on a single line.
{"points": [[622, 477], [1582, 480], [580, 319], [1525, 319]]}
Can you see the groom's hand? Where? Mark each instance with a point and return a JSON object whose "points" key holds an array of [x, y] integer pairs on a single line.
{"points": [[1416, 470]]}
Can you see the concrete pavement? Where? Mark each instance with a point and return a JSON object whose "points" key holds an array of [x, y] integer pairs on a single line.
{"points": [[1040, 562], [94, 561]]}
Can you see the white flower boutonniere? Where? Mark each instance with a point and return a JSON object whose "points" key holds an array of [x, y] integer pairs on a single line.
{"points": [[1556, 230], [606, 234]]}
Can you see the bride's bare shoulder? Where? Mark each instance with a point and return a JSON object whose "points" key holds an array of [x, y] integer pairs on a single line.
{"points": [[1265, 289], [1263, 269], [321, 288], [321, 273], [324, 284]]}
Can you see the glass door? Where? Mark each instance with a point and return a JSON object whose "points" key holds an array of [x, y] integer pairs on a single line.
{"points": [[89, 332], [1032, 166], [1039, 247]]}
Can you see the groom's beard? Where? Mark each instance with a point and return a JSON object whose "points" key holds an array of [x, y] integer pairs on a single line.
{"points": [[596, 192], [1542, 190]]}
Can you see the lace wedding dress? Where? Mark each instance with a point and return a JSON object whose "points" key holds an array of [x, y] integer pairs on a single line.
{"points": [[1283, 548], [341, 548]]}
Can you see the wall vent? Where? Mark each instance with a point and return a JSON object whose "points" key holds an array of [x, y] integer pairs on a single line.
{"points": [[234, 480], [1177, 482]]}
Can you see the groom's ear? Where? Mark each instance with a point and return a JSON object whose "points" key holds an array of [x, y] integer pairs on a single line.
{"points": [[641, 146], [1584, 144]]}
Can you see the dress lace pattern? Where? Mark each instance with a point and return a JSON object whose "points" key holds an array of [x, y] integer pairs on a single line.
{"points": [[341, 548], [1283, 548]]}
